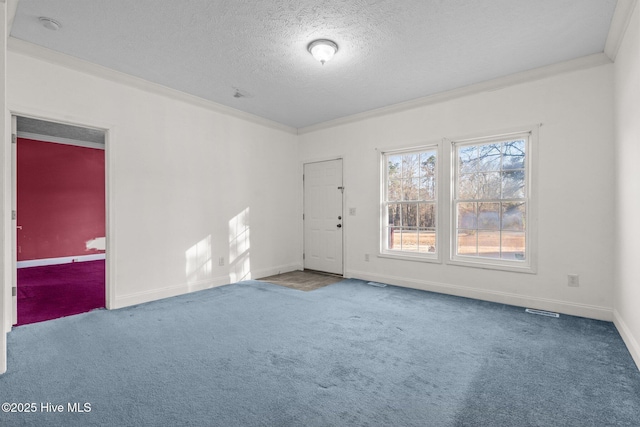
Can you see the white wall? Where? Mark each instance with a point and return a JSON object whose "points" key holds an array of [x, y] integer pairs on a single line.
{"points": [[187, 185], [575, 182], [627, 127], [5, 197]]}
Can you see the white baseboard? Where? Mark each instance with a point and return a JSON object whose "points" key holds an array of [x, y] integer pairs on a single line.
{"points": [[628, 338], [61, 260], [256, 275], [573, 309], [172, 291], [185, 288]]}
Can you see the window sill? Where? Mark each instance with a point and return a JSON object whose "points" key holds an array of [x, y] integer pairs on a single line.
{"points": [[432, 258], [492, 265]]}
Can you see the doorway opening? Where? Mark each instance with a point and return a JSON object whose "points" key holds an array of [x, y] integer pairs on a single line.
{"points": [[60, 220]]}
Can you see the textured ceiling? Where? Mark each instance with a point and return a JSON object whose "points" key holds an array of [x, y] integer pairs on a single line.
{"points": [[390, 51]]}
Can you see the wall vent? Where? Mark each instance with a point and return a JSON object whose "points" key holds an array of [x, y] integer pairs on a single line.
{"points": [[376, 284]]}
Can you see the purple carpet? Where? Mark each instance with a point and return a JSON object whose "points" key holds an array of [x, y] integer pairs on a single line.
{"points": [[53, 291]]}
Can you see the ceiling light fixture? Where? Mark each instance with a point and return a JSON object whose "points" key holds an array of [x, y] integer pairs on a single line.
{"points": [[49, 24], [322, 49]]}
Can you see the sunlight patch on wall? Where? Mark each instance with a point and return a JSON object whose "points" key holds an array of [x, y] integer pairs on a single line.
{"points": [[99, 243], [239, 247], [198, 262]]}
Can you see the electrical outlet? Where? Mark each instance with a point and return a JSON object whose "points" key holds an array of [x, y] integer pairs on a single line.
{"points": [[352, 211], [221, 261], [366, 257], [573, 280]]}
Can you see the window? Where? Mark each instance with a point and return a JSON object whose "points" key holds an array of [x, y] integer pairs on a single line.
{"points": [[409, 203], [491, 190]]}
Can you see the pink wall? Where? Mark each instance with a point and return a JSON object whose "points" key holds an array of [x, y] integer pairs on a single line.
{"points": [[61, 199]]}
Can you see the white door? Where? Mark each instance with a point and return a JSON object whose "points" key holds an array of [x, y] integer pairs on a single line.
{"points": [[323, 216]]}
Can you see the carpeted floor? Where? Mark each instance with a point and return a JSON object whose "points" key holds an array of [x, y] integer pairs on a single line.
{"points": [[303, 280], [348, 354], [53, 291]]}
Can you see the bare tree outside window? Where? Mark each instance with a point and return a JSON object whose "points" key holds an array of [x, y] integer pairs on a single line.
{"points": [[410, 201], [491, 200]]}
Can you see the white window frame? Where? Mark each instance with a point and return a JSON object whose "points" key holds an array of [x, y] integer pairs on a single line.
{"points": [[528, 265], [398, 254]]}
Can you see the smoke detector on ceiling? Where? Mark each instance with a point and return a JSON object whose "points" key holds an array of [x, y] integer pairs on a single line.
{"points": [[240, 93], [49, 23]]}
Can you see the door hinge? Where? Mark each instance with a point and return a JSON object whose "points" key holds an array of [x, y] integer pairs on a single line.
{"points": [[14, 215], [302, 256], [14, 291], [14, 138], [303, 217]]}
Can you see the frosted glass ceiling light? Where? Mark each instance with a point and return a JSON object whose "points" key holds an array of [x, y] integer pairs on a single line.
{"points": [[323, 50]]}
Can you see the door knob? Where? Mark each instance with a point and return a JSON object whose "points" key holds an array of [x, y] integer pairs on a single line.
{"points": [[339, 225]]}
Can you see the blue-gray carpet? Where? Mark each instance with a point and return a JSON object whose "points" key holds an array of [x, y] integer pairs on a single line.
{"points": [[349, 354]]}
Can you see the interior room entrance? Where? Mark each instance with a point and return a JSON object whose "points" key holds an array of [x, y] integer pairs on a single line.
{"points": [[60, 244]]}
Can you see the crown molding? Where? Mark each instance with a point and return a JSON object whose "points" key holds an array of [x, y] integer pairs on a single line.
{"points": [[22, 47], [67, 61], [619, 23], [12, 6], [581, 63]]}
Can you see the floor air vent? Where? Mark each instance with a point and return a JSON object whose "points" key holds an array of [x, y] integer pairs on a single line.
{"points": [[376, 284], [542, 312]]}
